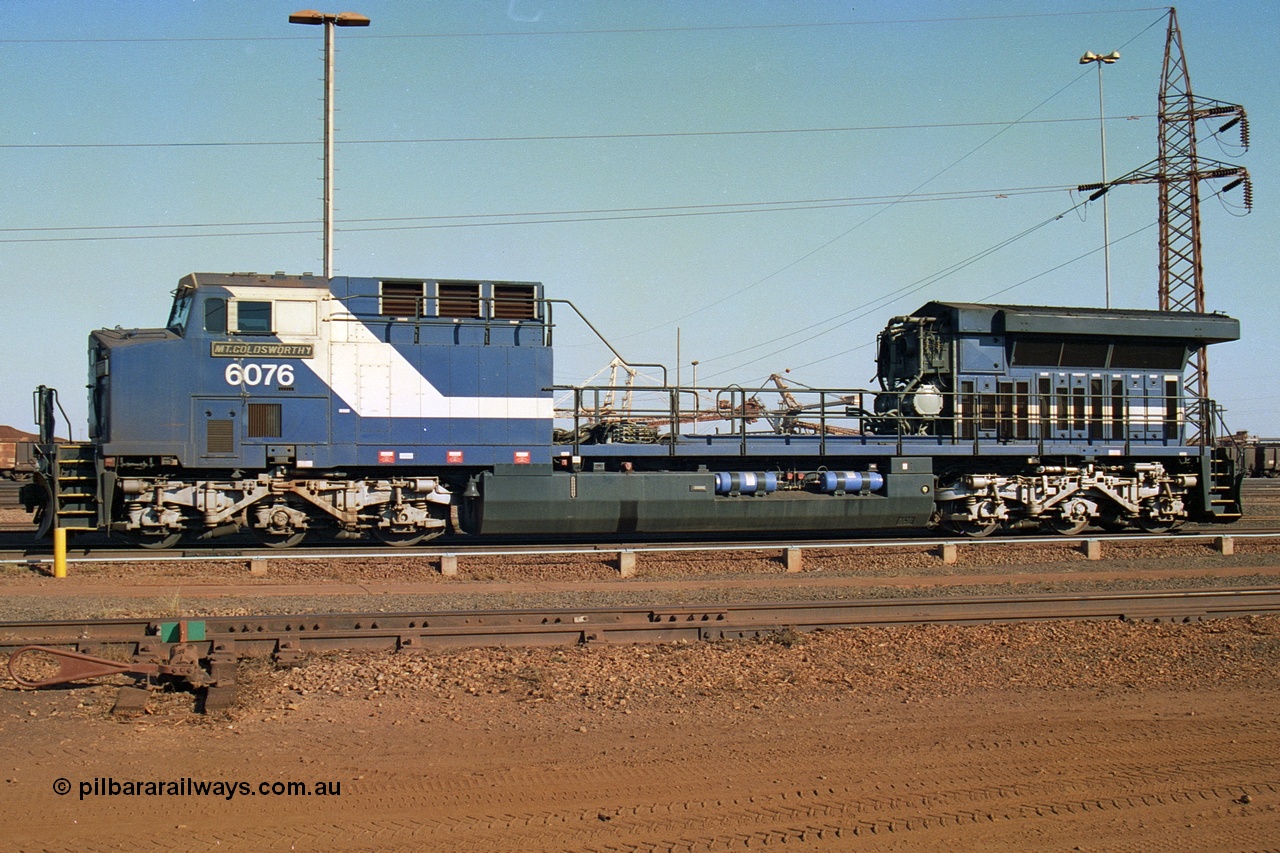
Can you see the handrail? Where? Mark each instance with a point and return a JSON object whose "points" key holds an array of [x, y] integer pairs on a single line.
{"points": [[1117, 418], [605, 341]]}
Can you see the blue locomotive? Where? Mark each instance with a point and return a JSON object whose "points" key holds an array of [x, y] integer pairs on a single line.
{"points": [[295, 406]]}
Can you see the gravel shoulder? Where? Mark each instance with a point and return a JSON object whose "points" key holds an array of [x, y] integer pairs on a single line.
{"points": [[395, 583], [1093, 736], [1112, 736]]}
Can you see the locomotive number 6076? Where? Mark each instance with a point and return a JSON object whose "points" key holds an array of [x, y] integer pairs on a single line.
{"points": [[258, 374]]}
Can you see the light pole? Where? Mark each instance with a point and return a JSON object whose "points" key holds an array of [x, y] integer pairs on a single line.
{"points": [[1108, 59], [341, 19]]}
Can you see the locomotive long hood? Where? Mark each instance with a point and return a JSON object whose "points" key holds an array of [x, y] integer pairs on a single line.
{"points": [[986, 319]]}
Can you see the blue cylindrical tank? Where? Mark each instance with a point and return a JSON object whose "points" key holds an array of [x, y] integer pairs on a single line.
{"points": [[849, 481], [746, 482]]}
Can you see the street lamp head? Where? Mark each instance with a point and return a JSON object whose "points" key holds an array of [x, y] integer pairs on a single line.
{"points": [[311, 16], [342, 19], [1107, 59]]}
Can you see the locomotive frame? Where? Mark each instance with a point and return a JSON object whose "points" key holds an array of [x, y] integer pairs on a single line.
{"points": [[398, 408]]}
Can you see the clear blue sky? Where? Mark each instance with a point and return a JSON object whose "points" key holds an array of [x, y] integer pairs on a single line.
{"points": [[720, 167]]}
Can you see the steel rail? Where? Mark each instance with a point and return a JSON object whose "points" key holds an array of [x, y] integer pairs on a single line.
{"points": [[248, 636], [224, 554]]}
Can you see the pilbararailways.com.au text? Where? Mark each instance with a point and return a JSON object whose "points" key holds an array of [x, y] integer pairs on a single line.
{"points": [[107, 786]]}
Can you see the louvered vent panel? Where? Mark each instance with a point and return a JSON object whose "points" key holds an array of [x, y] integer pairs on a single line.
{"points": [[402, 298], [514, 302], [220, 437], [264, 420], [459, 300]]}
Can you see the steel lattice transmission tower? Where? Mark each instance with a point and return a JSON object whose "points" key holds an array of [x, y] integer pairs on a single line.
{"points": [[1178, 171]]}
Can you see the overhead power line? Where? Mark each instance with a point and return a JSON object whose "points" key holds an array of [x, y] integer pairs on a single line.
{"points": [[560, 137], [890, 298], [840, 320], [838, 237], [415, 223], [617, 31]]}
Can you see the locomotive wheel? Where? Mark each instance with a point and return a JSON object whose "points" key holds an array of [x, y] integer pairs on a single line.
{"points": [[972, 529], [399, 539], [273, 539], [1066, 526], [1148, 524], [403, 531], [1113, 522], [155, 541], [279, 526]]}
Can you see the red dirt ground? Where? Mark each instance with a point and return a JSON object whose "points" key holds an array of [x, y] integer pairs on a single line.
{"points": [[1110, 737]]}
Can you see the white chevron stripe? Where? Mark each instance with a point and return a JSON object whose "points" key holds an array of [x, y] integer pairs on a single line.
{"points": [[375, 380]]}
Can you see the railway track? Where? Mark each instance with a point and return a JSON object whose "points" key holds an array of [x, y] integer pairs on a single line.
{"points": [[448, 553], [1261, 500], [204, 652], [262, 635]]}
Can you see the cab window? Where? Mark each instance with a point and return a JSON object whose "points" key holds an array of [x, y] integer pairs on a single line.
{"points": [[253, 318], [215, 315], [178, 314]]}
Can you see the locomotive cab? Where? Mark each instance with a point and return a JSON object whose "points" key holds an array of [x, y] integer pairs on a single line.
{"points": [[216, 386], [913, 367]]}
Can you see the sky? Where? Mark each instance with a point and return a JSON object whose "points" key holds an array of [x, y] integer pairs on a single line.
{"points": [[755, 185]]}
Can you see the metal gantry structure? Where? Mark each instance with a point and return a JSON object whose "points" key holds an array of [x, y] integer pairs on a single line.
{"points": [[1178, 171]]}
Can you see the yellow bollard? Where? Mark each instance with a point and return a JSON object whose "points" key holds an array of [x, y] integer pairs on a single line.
{"points": [[59, 552]]}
